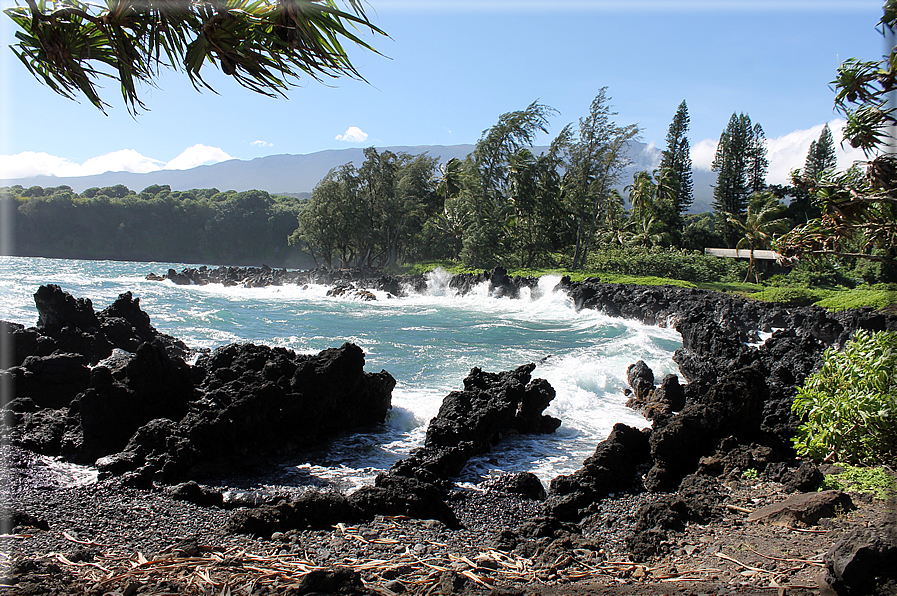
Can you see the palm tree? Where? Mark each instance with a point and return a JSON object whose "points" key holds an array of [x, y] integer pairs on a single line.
{"points": [[641, 194], [763, 218]]}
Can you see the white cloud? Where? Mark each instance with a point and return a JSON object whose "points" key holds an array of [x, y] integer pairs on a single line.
{"points": [[124, 160], [785, 153], [197, 155], [353, 134], [35, 163], [261, 144], [789, 151], [702, 154], [32, 163]]}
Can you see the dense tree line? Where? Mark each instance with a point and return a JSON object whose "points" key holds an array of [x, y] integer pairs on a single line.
{"points": [[502, 204], [156, 224]]}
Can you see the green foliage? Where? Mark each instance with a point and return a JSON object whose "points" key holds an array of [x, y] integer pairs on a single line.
{"points": [[857, 210], [264, 45], [677, 158], [790, 296], [849, 407], [763, 219], [200, 225], [701, 232], [644, 280], [821, 156], [370, 216], [880, 296], [741, 165], [750, 474], [669, 263], [811, 275], [877, 481]]}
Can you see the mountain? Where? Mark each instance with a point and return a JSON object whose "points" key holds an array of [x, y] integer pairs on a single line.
{"points": [[295, 174]]}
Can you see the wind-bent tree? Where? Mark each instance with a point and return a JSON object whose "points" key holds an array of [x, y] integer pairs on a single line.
{"points": [[858, 209], [265, 45], [535, 196], [677, 159], [763, 219], [741, 166], [596, 155], [487, 192], [369, 216]]}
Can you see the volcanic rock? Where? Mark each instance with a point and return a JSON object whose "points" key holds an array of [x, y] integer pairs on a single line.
{"points": [[864, 562], [472, 421], [611, 469], [804, 509], [733, 407], [257, 401]]}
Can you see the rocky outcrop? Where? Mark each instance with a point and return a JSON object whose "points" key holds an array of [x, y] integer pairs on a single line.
{"points": [[648, 400], [257, 277], [142, 412], [733, 414], [733, 407], [611, 469], [469, 422], [254, 402], [501, 285], [472, 421], [70, 326]]}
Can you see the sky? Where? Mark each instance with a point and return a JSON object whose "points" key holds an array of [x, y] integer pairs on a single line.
{"points": [[450, 68]]}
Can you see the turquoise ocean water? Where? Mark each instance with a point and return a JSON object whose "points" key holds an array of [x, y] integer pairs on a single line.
{"points": [[428, 342]]}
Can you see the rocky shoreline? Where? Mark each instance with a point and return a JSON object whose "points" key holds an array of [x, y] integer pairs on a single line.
{"points": [[625, 509]]}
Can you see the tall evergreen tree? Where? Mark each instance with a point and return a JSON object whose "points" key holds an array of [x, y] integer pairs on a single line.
{"points": [[821, 156], [741, 167], [757, 163], [677, 159]]}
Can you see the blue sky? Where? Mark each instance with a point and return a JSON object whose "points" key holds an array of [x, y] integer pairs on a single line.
{"points": [[450, 68]]}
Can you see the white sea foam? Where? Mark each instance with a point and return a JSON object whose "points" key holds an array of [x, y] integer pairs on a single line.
{"points": [[428, 342]]}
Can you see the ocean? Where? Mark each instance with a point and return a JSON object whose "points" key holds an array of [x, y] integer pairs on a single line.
{"points": [[428, 341]]}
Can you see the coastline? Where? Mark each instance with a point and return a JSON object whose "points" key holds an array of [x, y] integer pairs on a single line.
{"points": [[705, 355]]}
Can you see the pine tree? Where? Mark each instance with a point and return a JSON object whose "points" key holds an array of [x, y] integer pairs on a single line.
{"points": [[821, 156], [757, 163], [741, 167], [677, 158]]}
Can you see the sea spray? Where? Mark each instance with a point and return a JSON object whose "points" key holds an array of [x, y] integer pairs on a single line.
{"points": [[428, 342]]}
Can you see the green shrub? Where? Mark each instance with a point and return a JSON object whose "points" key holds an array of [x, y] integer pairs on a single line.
{"points": [[859, 297], [849, 407], [875, 481], [811, 276], [790, 296], [671, 263]]}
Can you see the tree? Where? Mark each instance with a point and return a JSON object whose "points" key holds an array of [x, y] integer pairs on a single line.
{"points": [[764, 218], [821, 156], [677, 159], [265, 45], [487, 191], [653, 217], [369, 215], [858, 208], [535, 196], [741, 166], [595, 158]]}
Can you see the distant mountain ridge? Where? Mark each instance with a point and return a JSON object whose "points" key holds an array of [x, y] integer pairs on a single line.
{"points": [[294, 174]]}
